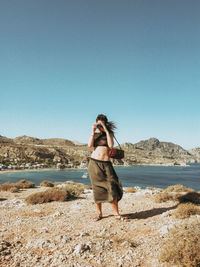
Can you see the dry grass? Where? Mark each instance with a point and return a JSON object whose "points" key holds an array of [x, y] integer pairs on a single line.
{"points": [[185, 210], [46, 183], [173, 193], [15, 187], [178, 188], [193, 197], [165, 196], [67, 192], [124, 241], [24, 184], [182, 246], [131, 190], [154, 188], [75, 189], [49, 195], [8, 187]]}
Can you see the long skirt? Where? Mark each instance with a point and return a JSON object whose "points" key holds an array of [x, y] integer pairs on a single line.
{"points": [[105, 182]]}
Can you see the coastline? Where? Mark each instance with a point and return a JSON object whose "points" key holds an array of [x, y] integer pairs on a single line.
{"points": [[80, 169], [26, 170], [40, 170]]}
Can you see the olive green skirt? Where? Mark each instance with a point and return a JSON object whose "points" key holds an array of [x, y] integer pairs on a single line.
{"points": [[105, 182]]}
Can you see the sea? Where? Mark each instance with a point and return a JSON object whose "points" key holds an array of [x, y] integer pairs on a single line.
{"points": [[130, 176]]}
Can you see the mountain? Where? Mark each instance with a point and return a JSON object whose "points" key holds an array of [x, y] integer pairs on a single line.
{"points": [[152, 151], [196, 153], [49, 142], [26, 149], [5, 140]]}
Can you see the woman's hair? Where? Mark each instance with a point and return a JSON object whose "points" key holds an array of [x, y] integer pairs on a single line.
{"points": [[110, 125]]}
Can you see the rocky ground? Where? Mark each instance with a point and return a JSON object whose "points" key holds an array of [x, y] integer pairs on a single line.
{"points": [[65, 234]]}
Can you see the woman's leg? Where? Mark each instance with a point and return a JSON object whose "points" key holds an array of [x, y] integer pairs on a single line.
{"points": [[99, 209], [115, 208]]}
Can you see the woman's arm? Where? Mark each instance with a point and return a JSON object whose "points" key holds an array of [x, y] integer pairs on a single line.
{"points": [[110, 139], [91, 139], [108, 135]]}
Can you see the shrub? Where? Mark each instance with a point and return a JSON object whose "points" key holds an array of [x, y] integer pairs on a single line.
{"points": [[178, 188], [164, 196], [193, 197], [6, 186], [74, 188], [54, 194], [46, 183], [14, 187], [49, 195], [172, 193], [24, 184], [182, 246], [185, 210], [131, 190], [154, 188]]}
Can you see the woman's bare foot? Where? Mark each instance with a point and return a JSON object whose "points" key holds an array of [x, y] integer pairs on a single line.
{"points": [[98, 218], [120, 218]]}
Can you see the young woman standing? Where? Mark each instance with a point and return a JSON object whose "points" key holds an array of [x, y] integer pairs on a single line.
{"points": [[105, 182]]}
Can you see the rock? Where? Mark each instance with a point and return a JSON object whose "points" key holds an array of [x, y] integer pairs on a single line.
{"points": [[103, 231], [56, 214], [37, 210], [120, 261], [84, 234], [165, 229], [81, 248], [4, 245]]}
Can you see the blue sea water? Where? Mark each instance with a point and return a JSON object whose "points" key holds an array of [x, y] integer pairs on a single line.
{"points": [[143, 176]]}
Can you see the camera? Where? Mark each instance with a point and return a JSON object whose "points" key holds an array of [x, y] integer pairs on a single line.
{"points": [[99, 126]]}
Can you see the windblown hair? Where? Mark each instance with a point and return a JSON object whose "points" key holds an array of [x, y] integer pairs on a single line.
{"points": [[110, 125]]}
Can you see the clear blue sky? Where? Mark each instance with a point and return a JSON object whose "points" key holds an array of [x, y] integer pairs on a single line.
{"points": [[137, 61]]}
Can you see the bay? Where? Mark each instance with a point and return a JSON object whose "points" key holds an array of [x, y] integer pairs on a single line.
{"points": [[130, 176]]}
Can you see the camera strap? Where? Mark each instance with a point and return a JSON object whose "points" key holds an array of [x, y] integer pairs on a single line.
{"points": [[117, 142]]}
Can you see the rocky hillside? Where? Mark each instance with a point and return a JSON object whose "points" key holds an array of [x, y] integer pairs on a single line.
{"points": [[196, 153], [25, 149], [36, 141], [47, 151], [152, 151]]}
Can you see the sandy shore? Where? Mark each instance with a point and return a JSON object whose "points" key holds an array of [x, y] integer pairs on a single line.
{"points": [[39, 170], [28, 170]]}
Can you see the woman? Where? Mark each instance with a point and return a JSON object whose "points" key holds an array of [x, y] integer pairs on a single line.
{"points": [[105, 183]]}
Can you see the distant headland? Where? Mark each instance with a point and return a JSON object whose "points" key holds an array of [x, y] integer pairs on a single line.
{"points": [[25, 152]]}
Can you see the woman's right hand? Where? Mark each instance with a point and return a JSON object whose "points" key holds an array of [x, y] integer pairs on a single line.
{"points": [[94, 127]]}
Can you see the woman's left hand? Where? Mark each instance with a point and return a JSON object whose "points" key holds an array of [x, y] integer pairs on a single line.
{"points": [[103, 125]]}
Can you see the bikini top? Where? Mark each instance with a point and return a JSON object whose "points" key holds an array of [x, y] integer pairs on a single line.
{"points": [[100, 139]]}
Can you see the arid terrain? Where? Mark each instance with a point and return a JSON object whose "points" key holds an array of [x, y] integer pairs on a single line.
{"points": [[26, 152], [65, 233]]}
